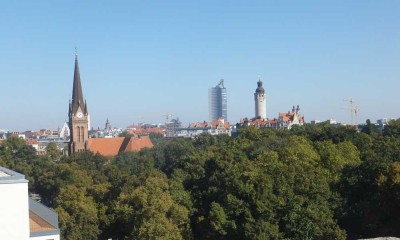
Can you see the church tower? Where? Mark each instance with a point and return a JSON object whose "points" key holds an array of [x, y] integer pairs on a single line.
{"points": [[78, 116], [260, 101]]}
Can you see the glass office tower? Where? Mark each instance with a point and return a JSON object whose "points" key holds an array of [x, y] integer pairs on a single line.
{"points": [[218, 102]]}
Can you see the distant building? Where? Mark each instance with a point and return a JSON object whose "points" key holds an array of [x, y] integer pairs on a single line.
{"points": [[381, 123], [171, 126], [64, 132], [107, 132], [260, 102], [34, 143], [332, 121], [258, 122], [62, 144], [4, 131], [40, 139], [144, 129], [314, 122], [287, 120], [3, 134], [218, 127], [218, 102], [284, 120], [108, 125], [21, 217]]}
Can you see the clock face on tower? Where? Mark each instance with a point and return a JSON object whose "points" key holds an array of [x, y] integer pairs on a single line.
{"points": [[79, 114]]}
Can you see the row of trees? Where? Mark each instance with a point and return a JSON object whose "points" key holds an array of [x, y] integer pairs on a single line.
{"points": [[312, 182]]}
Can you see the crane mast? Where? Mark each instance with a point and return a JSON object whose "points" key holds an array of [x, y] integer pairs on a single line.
{"points": [[354, 110]]}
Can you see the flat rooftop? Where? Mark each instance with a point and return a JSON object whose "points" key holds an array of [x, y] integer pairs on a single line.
{"points": [[8, 176]]}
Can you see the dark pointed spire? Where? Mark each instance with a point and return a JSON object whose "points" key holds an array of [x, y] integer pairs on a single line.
{"points": [[70, 108], [86, 112], [77, 95]]}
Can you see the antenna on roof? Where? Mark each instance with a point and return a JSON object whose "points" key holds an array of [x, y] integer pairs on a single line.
{"points": [[221, 83]]}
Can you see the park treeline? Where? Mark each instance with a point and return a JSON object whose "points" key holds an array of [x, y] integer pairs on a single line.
{"points": [[310, 182]]}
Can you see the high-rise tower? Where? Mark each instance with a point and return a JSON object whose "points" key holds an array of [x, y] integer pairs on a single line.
{"points": [[260, 101], [218, 103], [78, 116]]}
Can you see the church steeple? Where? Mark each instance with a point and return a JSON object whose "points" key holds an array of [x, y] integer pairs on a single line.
{"points": [[77, 95], [78, 115]]}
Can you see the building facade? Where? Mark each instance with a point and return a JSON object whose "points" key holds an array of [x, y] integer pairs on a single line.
{"points": [[218, 127], [64, 132], [107, 132], [284, 120], [287, 120], [78, 116], [21, 217], [218, 102], [260, 102]]}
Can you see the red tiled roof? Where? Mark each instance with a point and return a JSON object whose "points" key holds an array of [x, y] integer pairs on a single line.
{"points": [[258, 122], [31, 141], [145, 131], [286, 117], [198, 125], [14, 134], [213, 124], [137, 144], [113, 146]]}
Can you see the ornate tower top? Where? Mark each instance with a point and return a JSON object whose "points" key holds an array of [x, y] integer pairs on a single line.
{"points": [[260, 89]]}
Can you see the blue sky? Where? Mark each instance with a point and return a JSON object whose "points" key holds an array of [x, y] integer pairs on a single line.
{"points": [[141, 59]]}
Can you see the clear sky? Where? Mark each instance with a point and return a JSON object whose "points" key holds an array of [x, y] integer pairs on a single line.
{"points": [[141, 59]]}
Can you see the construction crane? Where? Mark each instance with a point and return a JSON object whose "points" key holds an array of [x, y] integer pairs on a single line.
{"points": [[354, 110], [142, 119]]}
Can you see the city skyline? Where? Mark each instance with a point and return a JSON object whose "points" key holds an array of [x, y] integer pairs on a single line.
{"points": [[148, 58]]}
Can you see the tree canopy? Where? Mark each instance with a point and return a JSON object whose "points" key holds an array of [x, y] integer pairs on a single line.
{"points": [[310, 182]]}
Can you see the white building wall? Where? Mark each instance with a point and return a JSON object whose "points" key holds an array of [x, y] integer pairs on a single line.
{"points": [[14, 210], [89, 123], [261, 106], [49, 237]]}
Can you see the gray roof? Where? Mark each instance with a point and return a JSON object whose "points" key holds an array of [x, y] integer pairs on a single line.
{"points": [[47, 215], [8, 176]]}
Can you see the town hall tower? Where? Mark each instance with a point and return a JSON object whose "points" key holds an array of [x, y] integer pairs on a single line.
{"points": [[260, 101]]}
